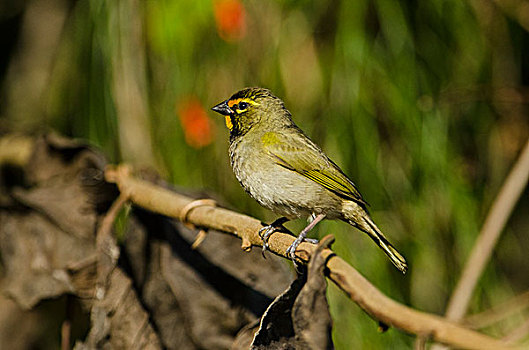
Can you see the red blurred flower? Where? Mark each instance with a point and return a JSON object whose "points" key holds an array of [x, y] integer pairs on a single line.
{"points": [[198, 127], [230, 17]]}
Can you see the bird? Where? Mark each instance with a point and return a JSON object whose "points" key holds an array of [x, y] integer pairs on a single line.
{"points": [[279, 166]]}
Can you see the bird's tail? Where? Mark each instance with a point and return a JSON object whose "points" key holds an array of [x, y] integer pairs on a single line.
{"points": [[368, 226]]}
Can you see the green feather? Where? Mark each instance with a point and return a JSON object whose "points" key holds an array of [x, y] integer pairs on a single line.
{"points": [[296, 152]]}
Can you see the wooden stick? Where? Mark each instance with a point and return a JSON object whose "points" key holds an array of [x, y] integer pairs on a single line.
{"points": [[488, 237], [361, 291]]}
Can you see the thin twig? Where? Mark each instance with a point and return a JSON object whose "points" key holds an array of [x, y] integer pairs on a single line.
{"points": [[518, 333], [420, 342], [488, 237], [66, 330], [360, 290], [66, 333], [498, 312], [108, 251]]}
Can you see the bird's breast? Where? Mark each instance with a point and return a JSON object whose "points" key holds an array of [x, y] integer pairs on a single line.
{"points": [[281, 190]]}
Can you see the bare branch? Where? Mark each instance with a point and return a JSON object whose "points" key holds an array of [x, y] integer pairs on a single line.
{"points": [[361, 291], [108, 251], [488, 237], [518, 333], [498, 313]]}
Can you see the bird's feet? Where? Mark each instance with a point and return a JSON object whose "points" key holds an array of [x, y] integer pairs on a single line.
{"points": [[291, 251], [266, 231], [265, 234]]}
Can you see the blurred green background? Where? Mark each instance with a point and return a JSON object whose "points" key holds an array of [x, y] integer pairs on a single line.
{"points": [[422, 103]]}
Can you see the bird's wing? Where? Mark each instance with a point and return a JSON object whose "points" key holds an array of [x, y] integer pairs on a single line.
{"points": [[299, 154]]}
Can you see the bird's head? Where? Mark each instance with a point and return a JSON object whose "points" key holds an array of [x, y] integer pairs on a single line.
{"points": [[251, 107]]}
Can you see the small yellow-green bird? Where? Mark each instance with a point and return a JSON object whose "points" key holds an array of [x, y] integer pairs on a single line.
{"points": [[283, 170]]}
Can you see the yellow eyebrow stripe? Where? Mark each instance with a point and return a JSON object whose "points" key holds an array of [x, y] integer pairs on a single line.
{"points": [[231, 103]]}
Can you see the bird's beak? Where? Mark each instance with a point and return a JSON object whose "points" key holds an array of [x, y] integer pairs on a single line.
{"points": [[223, 108]]}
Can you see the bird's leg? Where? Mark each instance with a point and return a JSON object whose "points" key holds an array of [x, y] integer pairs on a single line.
{"points": [[292, 249], [309, 220], [267, 231]]}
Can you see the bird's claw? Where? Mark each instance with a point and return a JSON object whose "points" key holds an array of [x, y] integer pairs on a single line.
{"points": [[265, 233], [291, 251]]}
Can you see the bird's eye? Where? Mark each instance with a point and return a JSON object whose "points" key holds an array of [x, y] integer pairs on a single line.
{"points": [[243, 105]]}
